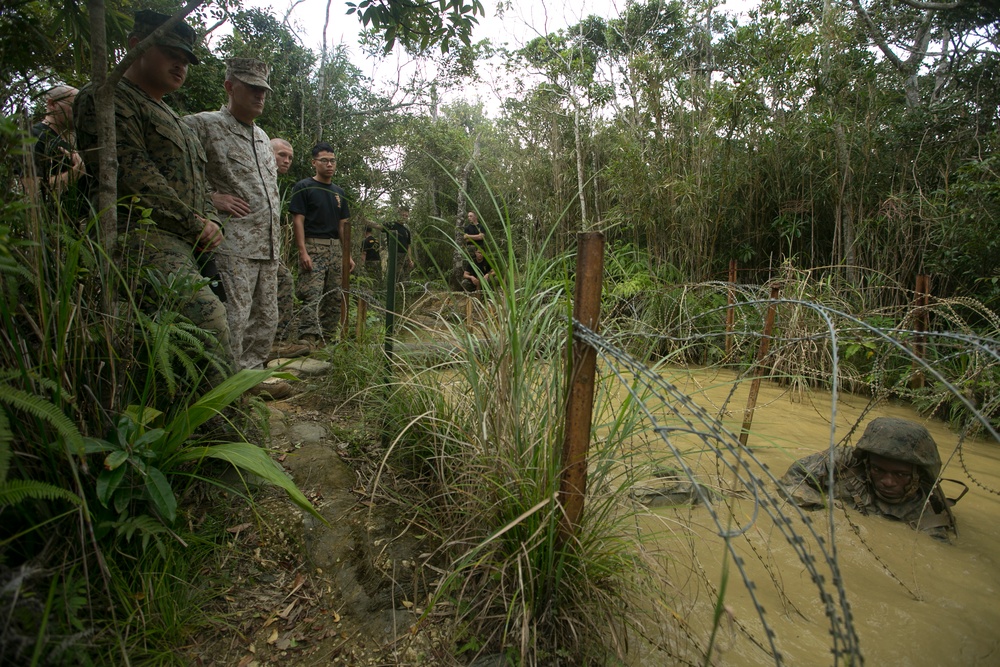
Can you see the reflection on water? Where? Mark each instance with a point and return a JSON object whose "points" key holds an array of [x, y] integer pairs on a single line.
{"points": [[915, 601]]}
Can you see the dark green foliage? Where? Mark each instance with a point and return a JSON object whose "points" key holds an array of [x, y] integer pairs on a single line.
{"points": [[416, 26]]}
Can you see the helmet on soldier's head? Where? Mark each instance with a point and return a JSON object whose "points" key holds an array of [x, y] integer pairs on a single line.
{"points": [[181, 36], [902, 440]]}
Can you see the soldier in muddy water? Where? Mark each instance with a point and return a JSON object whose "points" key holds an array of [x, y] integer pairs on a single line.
{"points": [[893, 472], [161, 166]]}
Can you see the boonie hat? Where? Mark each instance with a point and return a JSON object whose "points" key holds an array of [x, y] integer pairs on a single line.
{"points": [[249, 71], [181, 36]]}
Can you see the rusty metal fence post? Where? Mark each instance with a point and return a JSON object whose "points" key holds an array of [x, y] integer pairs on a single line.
{"points": [[581, 381]]}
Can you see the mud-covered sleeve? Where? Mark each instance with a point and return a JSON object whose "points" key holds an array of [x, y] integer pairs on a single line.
{"points": [[806, 483], [141, 176]]}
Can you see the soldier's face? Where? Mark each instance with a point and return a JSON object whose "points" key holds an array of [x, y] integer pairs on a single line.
{"points": [[246, 102], [472, 217], [890, 477], [163, 68], [283, 155]]}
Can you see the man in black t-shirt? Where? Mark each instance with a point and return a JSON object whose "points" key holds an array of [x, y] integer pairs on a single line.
{"points": [[474, 233], [373, 258], [398, 234], [478, 272], [319, 213]]}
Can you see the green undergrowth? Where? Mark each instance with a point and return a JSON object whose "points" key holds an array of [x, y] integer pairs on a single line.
{"points": [[114, 418], [474, 442]]}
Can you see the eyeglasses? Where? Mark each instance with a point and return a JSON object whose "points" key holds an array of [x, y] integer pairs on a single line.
{"points": [[325, 160]]}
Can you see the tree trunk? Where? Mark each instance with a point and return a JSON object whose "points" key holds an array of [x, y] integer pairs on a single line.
{"points": [[107, 176], [321, 79], [584, 224]]}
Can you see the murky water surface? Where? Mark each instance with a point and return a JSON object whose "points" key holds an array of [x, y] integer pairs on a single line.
{"points": [[915, 601]]}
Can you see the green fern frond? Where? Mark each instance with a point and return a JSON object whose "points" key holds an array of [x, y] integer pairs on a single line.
{"points": [[6, 437], [42, 409], [145, 526], [18, 490]]}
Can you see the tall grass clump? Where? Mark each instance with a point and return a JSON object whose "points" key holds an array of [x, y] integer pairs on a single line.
{"points": [[478, 437], [108, 426]]}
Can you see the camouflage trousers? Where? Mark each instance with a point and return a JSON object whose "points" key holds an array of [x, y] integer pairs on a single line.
{"points": [[171, 254], [286, 329], [251, 307], [319, 290], [373, 272]]}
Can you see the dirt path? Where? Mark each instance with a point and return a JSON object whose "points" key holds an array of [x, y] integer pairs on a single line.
{"points": [[303, 592]]}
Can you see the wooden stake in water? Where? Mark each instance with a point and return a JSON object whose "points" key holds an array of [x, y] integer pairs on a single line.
{"points": [[580, 401], [920, 324], [758, 371], [730, 311]]}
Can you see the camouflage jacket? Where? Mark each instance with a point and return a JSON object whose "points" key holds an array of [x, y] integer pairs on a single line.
{"points": [[807, 484], [241, 163], [160, 160]]}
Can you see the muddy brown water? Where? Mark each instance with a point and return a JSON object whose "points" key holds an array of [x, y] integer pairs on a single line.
{"points": [[914, 601]]}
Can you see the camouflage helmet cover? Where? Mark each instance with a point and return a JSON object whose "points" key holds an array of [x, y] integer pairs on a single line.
{"points": [[902, 440], [181, 36], [248, 70]]}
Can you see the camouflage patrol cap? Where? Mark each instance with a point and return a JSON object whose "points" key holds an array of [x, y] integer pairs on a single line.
{"points": [[902, 440], [181, 36], [249, 71]]}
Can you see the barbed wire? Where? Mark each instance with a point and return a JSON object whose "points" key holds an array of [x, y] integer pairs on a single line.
{"points": [[749, 471]]}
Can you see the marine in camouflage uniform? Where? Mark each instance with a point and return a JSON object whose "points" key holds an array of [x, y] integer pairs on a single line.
{"points": [[287, 328], [892, 472], [243, 174], [161, 164]]}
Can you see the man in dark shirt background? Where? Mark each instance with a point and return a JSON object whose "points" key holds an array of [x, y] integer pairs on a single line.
{"points": [[373, 258], [319, 212], [398, 234]]}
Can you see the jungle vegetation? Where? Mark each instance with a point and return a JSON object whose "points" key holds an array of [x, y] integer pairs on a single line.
{"points": [[848, 143]]}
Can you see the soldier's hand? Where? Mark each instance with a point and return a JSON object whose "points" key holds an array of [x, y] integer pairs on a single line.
{"points": [[230, 204], [305, 261], [210, 237], [352, 262], [75, 162]]}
